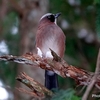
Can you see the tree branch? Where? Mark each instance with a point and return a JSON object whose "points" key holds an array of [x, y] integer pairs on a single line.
{"points": [[58, 65], [93, 80], [37, 90]]}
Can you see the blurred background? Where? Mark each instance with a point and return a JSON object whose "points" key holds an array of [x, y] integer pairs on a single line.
{"points": [[80, 21]]}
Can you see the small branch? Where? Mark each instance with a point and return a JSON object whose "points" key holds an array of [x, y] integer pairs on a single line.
{"points": [[98, 64], [93, 80], [28, 92], [37, 90]]}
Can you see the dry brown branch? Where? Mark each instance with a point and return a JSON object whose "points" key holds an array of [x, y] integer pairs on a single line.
{"points": [[93, 80], [37, 90], [57, 65], [28, 92]]}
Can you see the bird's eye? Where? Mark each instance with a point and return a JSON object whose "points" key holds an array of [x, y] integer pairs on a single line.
{"points": [[51, 18]]}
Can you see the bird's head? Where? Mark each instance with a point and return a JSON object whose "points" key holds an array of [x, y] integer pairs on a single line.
{"points": [[49, 17]]}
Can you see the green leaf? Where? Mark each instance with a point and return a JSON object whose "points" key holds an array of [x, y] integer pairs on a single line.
{"points": [[68, 94]]}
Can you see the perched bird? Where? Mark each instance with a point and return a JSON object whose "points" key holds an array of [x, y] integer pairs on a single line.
{"points": [[50, 36]]}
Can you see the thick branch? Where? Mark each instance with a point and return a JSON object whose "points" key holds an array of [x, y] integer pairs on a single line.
{"points": [[57, 65]]}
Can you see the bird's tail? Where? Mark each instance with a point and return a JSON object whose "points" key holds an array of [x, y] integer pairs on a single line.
{"points": [[51, 80]]}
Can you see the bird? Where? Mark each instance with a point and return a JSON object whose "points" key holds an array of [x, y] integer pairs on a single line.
{"points": [[50, 36]]}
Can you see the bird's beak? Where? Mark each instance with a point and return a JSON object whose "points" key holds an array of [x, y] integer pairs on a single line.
{"points": [[57, 15]]}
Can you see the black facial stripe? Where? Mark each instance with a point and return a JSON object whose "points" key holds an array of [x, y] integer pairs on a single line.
{"points": [[51, 18]]}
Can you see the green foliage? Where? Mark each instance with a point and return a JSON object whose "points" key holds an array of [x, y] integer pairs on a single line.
{"points": [[68, 94], [96, 1], [8, 70], [98, 20], [12, 39]]}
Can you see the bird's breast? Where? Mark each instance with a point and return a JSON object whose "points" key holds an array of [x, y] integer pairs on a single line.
{"points": [[49, 43]]}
